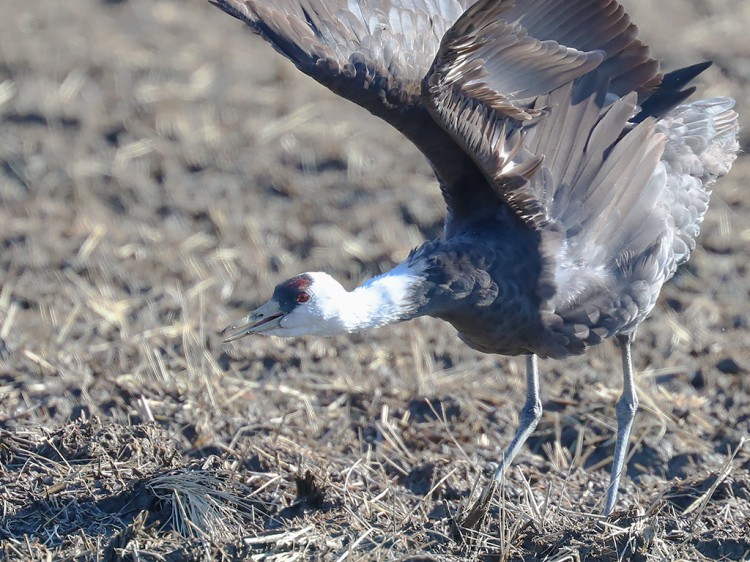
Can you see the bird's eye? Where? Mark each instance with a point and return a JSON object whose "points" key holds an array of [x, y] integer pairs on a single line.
{"points": [[303, 297]]}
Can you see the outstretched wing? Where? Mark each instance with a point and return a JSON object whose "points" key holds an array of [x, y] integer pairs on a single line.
{"points": [[372, 52], [599, 182], [589, 25], [494, 59], [482, 88], [500, 56]]}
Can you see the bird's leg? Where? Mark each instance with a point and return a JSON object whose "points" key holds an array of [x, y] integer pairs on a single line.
{"points": [[626, 408], [530, 415]]}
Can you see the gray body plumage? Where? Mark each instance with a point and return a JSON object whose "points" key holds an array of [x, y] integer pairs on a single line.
{"points": [[487, 280], [575, 178]]}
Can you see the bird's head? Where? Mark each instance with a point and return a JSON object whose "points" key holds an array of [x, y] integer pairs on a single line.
{"points": [[308, 304]]}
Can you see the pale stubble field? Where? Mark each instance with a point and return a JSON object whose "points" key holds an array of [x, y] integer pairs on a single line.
{"points": [[161, 170]]}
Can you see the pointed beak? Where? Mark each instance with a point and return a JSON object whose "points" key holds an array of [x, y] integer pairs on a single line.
{"points": [[260, 320]]}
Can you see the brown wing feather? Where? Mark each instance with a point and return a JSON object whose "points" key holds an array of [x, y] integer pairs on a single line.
{"points": [[589, 25], [494, 59], [599, 180], [374, 53], [498, 65], [481, 88]]}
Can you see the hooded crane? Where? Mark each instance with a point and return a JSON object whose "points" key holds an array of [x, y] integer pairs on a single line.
{"points": [[574, 178]]}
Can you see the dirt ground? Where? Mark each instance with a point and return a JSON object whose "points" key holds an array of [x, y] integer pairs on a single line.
{"points": [[161, 170]]}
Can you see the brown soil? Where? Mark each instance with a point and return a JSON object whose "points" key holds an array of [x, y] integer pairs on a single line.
{"points": [[161, 170]]}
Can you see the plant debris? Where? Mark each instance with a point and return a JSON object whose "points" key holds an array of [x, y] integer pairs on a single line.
{"points": [[160, 171]]}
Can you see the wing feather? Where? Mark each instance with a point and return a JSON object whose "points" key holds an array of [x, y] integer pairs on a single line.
{"points": [[599, 179], [482, 88], [384, 48], [589, 25], [461, 84], [374, 53]]}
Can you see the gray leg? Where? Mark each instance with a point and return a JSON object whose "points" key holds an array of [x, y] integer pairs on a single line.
{"points": [[626, 408], [530, 415]]}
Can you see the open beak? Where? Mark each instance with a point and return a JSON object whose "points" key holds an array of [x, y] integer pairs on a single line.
{"points": [[260, 320]]}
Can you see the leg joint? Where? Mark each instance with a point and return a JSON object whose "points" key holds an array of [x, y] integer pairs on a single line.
{"points": [[532, 411], [627, 406]]}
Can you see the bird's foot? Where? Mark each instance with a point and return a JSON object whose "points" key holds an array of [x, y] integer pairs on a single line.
{"points": [[468, 524]]}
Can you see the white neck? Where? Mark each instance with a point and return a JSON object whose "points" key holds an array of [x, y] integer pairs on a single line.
{"points": [[382, 300]]}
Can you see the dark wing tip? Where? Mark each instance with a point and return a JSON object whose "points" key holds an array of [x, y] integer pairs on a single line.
{"points": [[229, 8], [670, 93]]}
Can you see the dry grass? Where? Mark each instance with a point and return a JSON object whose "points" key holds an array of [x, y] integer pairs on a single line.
{"points": [[160, 171]]}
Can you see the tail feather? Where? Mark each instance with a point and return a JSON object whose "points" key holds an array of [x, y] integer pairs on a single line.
{"points": [[701, 147]]}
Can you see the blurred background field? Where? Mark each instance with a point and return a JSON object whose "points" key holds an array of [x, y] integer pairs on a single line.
{"points": [[161, 169]]}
